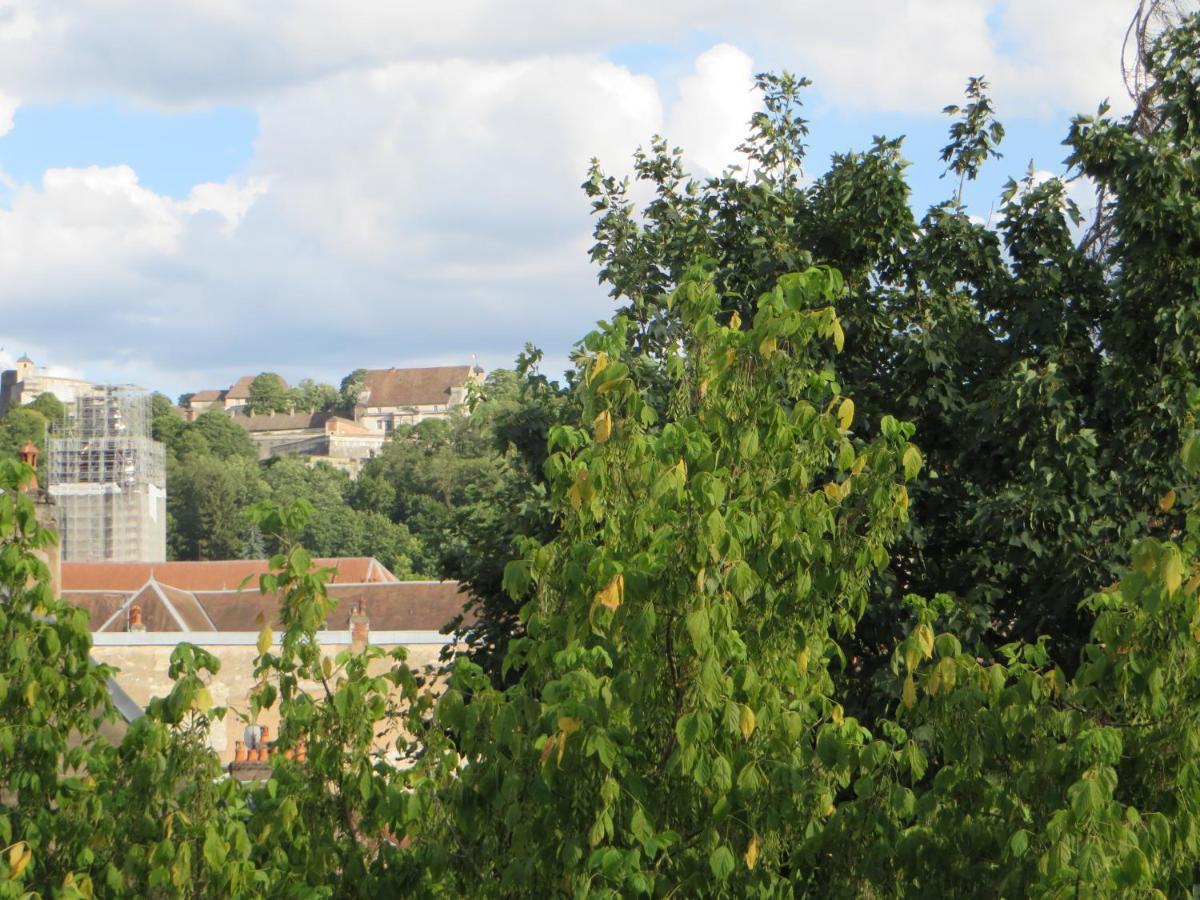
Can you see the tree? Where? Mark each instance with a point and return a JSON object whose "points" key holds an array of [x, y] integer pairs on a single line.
{"points": [[19, 426], [351, 387], [309, 396], [674, 680], [207, 502], [268, 394], [49, 406]]}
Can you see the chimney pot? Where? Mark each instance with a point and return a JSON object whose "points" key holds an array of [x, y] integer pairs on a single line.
{"points": [[360, 627], [135, 618], [239, 753]]}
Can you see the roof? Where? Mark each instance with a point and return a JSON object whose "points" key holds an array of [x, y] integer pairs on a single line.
{"points": [[241, 388], [338, 425], [391, 606], [258, 422], [206, 396], [210, 575], [414, 387], [24, 357]]}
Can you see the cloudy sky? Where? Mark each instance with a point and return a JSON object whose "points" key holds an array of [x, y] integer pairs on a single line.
{"points": [[199, 189]]}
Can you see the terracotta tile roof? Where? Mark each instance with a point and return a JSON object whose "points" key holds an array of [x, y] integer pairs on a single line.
{"points": [[260, 422], [206, 396], [413, 387], [211, 575], [400, 606], [338, 425], [394, 606]]}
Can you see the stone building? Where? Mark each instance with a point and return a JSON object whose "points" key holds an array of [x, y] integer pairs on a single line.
{"points": [[392, 397], [27, 382], [234, 397], [137, 628], [320, 437]]}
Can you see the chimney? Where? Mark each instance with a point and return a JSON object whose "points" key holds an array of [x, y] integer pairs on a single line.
{"points": [[135, 619], [360, 627], [29, 455]]}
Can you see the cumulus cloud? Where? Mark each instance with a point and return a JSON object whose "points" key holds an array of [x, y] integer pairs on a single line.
{"points": [[413, 194]]}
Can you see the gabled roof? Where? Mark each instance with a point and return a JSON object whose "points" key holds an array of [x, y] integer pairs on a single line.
{"points": [[206, 396], [413, 387], [395, 606], [210, 575]]}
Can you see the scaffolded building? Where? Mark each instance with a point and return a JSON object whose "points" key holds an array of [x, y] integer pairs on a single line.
{"points": [[108, 478]]}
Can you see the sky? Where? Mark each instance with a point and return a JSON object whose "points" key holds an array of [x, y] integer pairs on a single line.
{"points": [[194, 191]]}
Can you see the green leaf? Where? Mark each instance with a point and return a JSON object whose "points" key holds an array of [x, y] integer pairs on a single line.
{"points": [[721, 862]]}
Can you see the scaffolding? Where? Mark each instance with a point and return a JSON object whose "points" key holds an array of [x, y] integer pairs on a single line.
{"points": [[108, 478]]}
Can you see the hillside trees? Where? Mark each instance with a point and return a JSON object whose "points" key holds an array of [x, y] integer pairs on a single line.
{"points": [[269, 394]]}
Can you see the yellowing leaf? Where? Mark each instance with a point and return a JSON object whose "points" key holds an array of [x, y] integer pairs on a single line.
{"points": [[547, 750], [746, 722], [574, 495], [836, 716], [911, 461], [327, 666], [17, 866], [839, 336], [703, 388], [902, 497], [613, 593], [681, 470], [602, 426], [860, 463], [924, 635], [908, 696], [1167, 500], [700, 577], [568, 725], [751, 856], [203, 700], [767, 346], [735, 321], [264, 640], [845, 414], [802, 660], [598, 365], [1172, 571]]}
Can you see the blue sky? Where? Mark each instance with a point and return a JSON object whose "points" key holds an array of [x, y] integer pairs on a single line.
{"points": [[194, 192]]}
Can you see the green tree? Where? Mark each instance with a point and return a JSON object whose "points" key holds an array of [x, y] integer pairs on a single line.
{"points": [[49, 406], [268, 394], [351, 387]]}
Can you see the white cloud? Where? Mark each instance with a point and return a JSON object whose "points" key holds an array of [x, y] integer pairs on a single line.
{"points": [[715, 103], [414, 188]]}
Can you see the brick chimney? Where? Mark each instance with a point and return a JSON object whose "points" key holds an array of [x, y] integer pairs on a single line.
{"points": [[135, 619], [360, 627]]}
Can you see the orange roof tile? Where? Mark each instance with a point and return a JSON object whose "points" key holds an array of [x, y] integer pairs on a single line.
{"points": [[210, 575], [413, 387]]}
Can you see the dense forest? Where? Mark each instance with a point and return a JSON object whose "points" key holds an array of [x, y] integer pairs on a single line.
{"points": [[859, 556]]}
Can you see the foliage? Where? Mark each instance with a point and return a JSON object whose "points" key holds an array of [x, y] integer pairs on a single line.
{"points": [[351, 387], [49, 406], [674, 672], [309, 396], [268, 394], [1020, 358]]}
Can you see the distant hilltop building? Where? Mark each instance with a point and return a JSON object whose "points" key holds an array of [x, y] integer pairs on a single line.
{"points": [[392, 397], [346, 438], [108, 478], [236, 397], [27, 382]]}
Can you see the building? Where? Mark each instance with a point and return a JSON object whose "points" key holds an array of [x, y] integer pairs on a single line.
{"points": [[392, 397], [139, 613], [108, 478], [27, 382], [320, 437], [235, 397]]}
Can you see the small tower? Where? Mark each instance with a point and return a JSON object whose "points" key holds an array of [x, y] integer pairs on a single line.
{"points": [[24, 367]]}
